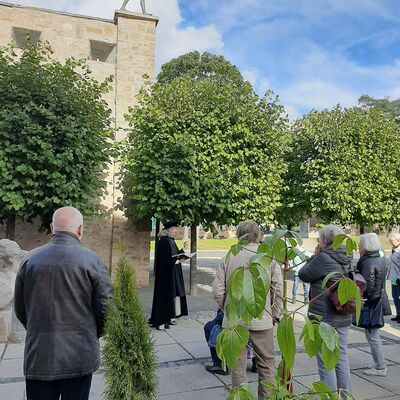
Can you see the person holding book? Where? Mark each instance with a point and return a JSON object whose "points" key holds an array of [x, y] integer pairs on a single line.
{"points": [[169, 298]]}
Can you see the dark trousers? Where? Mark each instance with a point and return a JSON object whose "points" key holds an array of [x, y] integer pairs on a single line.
{"points": [[207, 332], [396, 298], [68, 389]]}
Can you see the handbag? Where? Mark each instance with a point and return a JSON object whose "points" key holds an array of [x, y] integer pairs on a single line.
{"points": [[371, 317], [385, 304]]}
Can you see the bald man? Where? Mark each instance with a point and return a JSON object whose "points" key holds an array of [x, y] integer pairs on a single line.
{"points": [[61, 293]]}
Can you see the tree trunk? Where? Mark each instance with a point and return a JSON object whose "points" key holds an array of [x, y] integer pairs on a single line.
{"points": [[10, 227], [193, 261], [155, 245], [362, 229]]}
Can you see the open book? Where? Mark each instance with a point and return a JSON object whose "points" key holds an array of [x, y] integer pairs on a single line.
{"points": [[184, 255]]}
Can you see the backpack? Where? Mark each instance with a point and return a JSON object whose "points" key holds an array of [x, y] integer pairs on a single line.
{"points": [[348, 308]]}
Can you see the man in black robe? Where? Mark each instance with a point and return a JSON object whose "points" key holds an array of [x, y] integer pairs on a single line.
{"points": [[169, 298]]}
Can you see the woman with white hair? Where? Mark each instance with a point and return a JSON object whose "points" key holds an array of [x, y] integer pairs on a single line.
{"points": [[372, 267], [394, 272], [325, 261]]}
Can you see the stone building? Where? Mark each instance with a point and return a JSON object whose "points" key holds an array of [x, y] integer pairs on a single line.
{"points": [[123, 47]]}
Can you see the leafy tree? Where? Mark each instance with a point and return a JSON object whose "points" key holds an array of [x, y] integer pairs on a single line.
{"points": [[385, 105], [344, 167], [128, 354], [55, 134]]}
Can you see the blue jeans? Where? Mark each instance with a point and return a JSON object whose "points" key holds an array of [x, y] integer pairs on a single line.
{"points": [[207, 332], [339, 377], [396, 298], [306, 287]]}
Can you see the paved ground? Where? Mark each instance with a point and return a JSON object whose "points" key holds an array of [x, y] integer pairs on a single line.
{"points": [[182, 354]]}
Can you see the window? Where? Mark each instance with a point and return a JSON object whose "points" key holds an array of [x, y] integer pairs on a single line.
{"points": [[20, 35], [102, 51]]}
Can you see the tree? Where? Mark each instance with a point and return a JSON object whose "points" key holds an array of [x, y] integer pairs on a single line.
{"points": [[343, 167], [55, 135], [128, 355], [385, 105]]}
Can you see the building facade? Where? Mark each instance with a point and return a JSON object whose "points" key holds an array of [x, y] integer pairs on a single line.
{"points": [[125, 48]]}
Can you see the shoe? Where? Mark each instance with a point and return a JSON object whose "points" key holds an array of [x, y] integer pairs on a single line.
{"points": [[172, 322], [396, 318], [163, 327], [216, 370], [375, 372]]}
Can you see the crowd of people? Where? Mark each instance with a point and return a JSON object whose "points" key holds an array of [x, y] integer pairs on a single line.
{"points": [[62, 290]]}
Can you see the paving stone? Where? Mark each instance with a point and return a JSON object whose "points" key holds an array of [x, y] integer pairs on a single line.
{"points": [[98, 387], [171, 352], [186, 378], [356, 337], [389, 382], [362, 389], [203, 394], [197, 349], [161, 337], [12, 391], [11, 368], [358, 358], [185, 335], [2, 346], [188, 323], [14, 351], [303, 365], [391, 353]]}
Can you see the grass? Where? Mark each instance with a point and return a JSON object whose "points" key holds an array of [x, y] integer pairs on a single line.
{"points": [[207, 244]]}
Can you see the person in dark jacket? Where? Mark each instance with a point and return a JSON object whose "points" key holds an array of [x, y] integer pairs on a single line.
{"points": [[394, 272], [325, 261], [372, 267], [169, 298], [61, 293]]}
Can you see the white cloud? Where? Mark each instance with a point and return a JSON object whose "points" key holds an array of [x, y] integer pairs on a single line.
{"points": [[259, 82], [172, 40]]}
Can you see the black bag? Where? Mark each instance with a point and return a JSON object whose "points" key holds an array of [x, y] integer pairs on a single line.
{"points": [[385, 304], [371, 317]]}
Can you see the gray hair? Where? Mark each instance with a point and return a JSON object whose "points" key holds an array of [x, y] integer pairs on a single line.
{"points": [[370, 242], [248, 230], [327, 233], [67, 219], [394, 236]]}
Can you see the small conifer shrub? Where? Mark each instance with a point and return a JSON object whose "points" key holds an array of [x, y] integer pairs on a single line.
{"points": [[128, 355]]}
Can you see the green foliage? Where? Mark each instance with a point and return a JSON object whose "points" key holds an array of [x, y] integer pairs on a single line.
{"points": [[385, 105], [128, 355], [243, 392], [204, 150], [55, 134], [343, 167], [242, 305]]}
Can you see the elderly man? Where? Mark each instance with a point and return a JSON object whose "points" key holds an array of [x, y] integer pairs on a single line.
{"points": [[61, 293], [261, 330]]}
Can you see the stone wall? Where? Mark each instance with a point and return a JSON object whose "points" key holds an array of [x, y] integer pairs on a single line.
{"points": [[133, 37]]}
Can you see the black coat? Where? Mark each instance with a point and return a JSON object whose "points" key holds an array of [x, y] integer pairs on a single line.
{"points": [[61, 292], [168, 283], [314, 271], [372, 267]]}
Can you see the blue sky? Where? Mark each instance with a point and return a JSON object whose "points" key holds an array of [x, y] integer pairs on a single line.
{"points": [[312, 53]]}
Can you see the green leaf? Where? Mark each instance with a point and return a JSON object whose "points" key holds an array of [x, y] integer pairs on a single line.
{"points": [[350, 245], [230, 343], [347, 290], [254, 292], [358, 305], [330, 358], [235, 283], [243, 392], [329, 276], [338, 240], [328, 335], [309, 327], [322, 390], [312, 347], [286, 340], [231, 309]]}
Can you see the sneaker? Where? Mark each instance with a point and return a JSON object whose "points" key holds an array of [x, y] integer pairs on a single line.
{"points": [[375, 372], [163, 327], [216, 370]]}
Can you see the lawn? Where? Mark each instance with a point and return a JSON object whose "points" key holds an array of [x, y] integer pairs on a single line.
{"points": [[208, 244]]}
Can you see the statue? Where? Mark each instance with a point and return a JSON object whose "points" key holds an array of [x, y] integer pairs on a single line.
{"points": [[11, 257], [142, 4]]}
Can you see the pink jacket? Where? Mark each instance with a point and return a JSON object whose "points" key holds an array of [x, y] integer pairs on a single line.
{"points": [[273, 303]]}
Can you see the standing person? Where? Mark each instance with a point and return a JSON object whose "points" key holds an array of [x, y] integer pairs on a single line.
{"points": [[394, 272], [295, 265], [372, 267], [325, 261], [169, 298], [61, 293], [261, 330]]}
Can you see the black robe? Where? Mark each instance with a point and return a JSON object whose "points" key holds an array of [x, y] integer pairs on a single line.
{"points": [[168, 284]]}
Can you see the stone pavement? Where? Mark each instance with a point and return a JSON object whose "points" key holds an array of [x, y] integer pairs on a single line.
{"points": [[182, 354]]}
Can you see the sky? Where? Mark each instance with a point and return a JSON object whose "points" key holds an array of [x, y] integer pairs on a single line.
{"points": [[312, 53]]}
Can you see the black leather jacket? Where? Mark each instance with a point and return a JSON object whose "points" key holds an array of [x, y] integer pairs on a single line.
{"points": [[372, 267], [61, 293]]}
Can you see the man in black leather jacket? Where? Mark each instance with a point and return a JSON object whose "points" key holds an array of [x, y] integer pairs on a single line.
{"points": [[61, 292]]}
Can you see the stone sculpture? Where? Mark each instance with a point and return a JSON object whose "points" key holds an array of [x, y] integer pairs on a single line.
{"points": [[142, 4], [11, 256]]}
